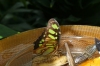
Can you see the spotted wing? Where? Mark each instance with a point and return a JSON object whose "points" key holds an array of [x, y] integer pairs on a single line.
{"points": [[49, 40]]}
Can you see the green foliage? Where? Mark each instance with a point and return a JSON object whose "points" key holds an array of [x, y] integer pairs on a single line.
{"points": [[22, 15], [65, 10], [5, 31]]}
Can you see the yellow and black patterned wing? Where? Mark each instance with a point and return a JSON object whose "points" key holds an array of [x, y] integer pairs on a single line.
{"points": [[49, 40]]}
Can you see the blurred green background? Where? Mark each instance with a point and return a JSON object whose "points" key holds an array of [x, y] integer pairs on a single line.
{"points": [[21, 15]]}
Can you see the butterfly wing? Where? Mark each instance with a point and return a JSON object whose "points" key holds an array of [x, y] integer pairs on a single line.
{"points": [[49, 40]]}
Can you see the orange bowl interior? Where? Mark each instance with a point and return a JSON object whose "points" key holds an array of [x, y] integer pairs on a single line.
{"points": [[13, 45]]}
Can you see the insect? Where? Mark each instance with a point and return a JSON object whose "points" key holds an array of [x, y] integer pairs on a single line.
{"points": [[89, 51], [46, 47], [49, 40]]}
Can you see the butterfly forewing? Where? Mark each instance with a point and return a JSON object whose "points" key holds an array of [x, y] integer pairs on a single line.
{"points": [[49, 40]]}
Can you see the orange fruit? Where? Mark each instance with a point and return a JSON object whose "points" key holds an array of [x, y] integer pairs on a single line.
{"points": [[91, 62]]}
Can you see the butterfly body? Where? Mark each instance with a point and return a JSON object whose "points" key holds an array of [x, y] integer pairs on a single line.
{"points": [[47, 48], [47, 45], [50, 39]]}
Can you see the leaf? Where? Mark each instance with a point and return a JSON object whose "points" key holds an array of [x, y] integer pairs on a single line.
{"points": [[90, 3], [21, 27], [73, 18], [80, 4], [3, 3], [52, 3], [92, 20], [25, 3], [1, 37], [17, 5], [21, 10], [45, 3], [6, 18], [5, 31], [68, 3], [94, 2], [0, 14]]}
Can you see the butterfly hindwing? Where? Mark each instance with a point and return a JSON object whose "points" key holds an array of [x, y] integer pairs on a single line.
{"points": [[49, 40]]}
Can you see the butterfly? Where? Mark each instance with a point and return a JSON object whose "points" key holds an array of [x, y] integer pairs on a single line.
{"points": [[47, 46], [49, 40]]}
